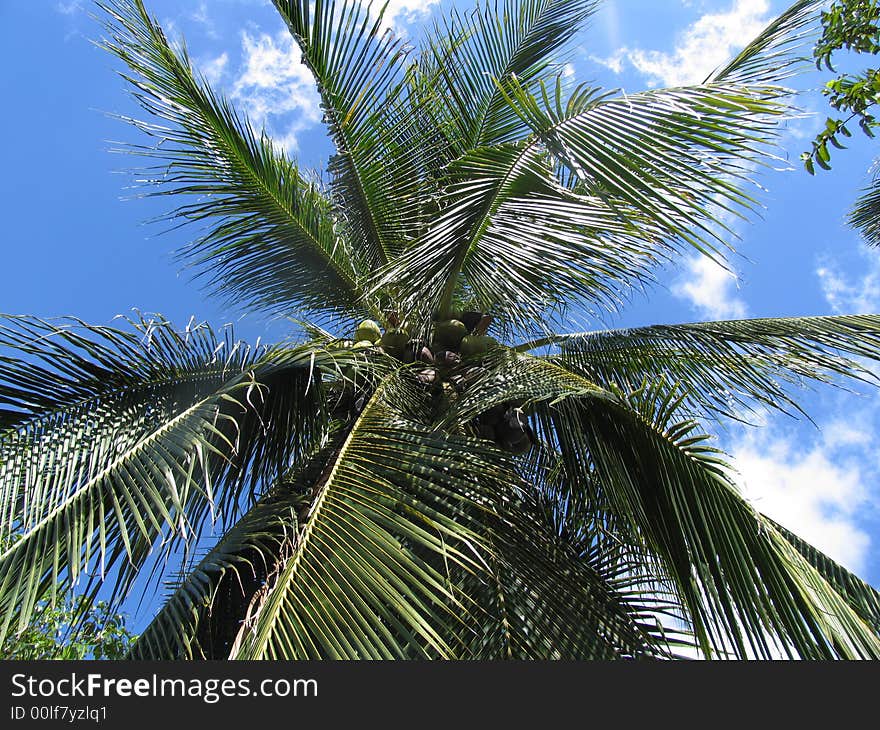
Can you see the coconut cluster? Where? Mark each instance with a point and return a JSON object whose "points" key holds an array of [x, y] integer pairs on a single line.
{"points": [[457, 337]]}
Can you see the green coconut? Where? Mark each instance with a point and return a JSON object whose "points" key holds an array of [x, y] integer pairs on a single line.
{"points": [[362, 344], [394, 340], [476, 345], [449, 333], [454, 313], [368, 330]]}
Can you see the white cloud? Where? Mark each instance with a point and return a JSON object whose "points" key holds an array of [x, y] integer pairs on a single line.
{"points": [[203, 17], [847, 294], [403, 12], [69, 7], [613, 62], [213, 69], [275, 89], [816, 490], [710, 289], [702, 47]]}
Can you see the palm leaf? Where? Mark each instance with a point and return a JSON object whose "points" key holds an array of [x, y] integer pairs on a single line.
{"points": [[772, 56], [495, 42], [548, 600], [745, 589], [358, 69], [739, 582], [864, 599], [352, 586], [726, 367], [272, 243], [201, 616], [126, 437], [656, 168], [865, 214]]}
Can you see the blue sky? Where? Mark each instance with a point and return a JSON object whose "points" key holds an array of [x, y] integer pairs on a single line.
{"points": [[76, 242]]}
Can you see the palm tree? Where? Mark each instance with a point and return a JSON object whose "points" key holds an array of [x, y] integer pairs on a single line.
{"points": [[433, 490]]}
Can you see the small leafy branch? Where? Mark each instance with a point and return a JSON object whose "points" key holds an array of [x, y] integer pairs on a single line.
{"points": [[853, 25]]}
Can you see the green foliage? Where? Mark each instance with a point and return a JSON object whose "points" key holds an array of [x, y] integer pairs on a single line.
{"points": [[75, 628], [852, 25]]}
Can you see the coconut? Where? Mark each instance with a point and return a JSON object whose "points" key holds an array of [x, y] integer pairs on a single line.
{"points": [[408, 354], [513, 425], [514, 431], [426, 376], [454, 313], [516, 419], [394, 340], [362, 345], [471, 319], [476, 345], [494, 414], [449, 333], [368, 330], [447, 358]]}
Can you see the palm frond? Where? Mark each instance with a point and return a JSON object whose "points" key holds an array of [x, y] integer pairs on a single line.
{"points": [[745, 589], [497, 41], [272, 243], [353, 585], [358, 67], [548, 599], [726, 367], [772, 56], [657, 170], [127, 437], [201, 616], [865, 214], [862, 598]]}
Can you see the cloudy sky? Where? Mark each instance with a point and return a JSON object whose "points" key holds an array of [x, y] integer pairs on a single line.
{"points": [[76, 238]]}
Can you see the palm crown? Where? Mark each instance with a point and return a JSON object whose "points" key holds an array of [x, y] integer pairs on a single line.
{"points": [[429, 489]]}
